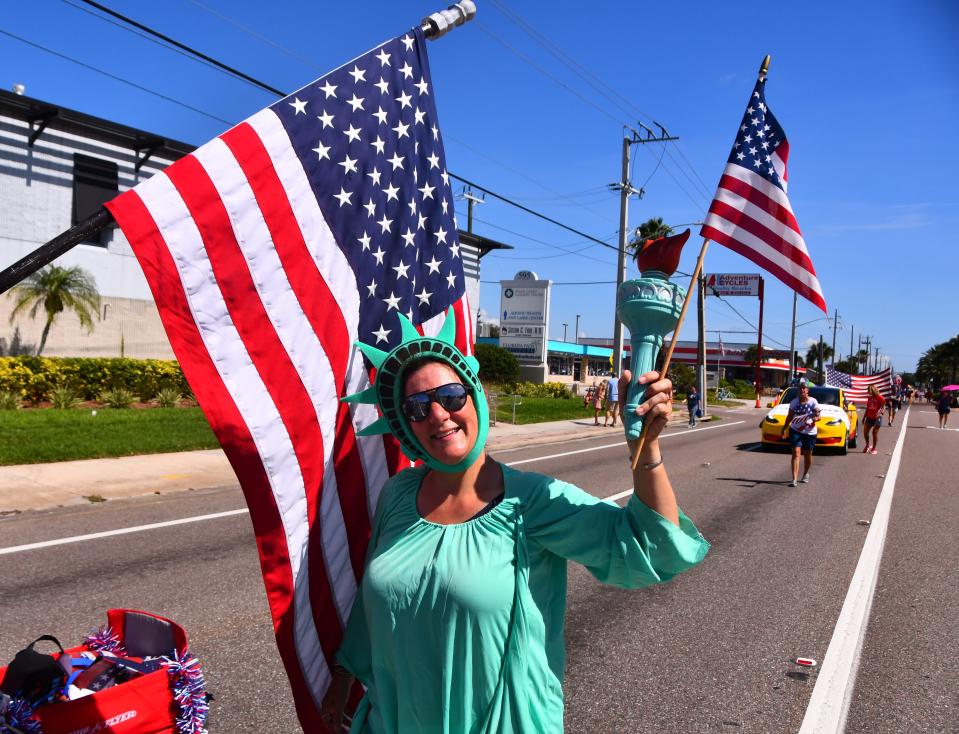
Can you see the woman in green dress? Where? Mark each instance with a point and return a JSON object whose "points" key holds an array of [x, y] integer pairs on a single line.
{"points": [[457, 627]]}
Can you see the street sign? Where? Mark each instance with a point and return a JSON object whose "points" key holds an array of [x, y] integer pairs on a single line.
{"points": [[732, 284]]}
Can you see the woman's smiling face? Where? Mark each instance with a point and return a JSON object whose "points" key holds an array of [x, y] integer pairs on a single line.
{"points": [[447, 437]]}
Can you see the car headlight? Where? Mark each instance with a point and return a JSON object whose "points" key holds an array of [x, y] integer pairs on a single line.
{"points": [[771, 420], [834, 422]]}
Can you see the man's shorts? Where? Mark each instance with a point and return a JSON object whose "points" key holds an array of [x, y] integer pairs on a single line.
{"points": [[612, 407], [804, 441], [870, 422], [897, 404]]}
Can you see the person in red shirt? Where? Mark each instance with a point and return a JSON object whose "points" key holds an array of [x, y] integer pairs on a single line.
{"points": [[874, 406]]}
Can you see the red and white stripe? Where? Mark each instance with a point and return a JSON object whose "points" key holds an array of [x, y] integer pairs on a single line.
{"points": [[753, 217], [261, 308], [859, 391]]}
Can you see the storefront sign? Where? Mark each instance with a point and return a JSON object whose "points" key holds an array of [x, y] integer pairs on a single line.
{"points": [[732, 284], [524, 317]]}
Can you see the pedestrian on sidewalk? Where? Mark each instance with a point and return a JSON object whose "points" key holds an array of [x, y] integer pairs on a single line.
{"points": [[599, 396], [942, 407], [457, 625], [612, 400], [692, 405], [801, 429], [874, 407]]}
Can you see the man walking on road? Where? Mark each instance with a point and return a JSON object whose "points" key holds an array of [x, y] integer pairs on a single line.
{"points": [[612, 400], [801, 428]]}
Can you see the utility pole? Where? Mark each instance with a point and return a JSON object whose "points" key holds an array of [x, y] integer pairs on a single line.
{"points": [[820, 370], [852, 331], [625, 191], [701, 342], [868, 341], [565, 324], [835, 321], [471, 200], [792, 342]]}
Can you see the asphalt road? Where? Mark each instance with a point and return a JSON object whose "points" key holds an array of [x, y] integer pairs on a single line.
{"points": [[709, 652]]}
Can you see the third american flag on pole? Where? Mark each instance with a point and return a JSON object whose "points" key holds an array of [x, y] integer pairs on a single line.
{"points": [[750, 212], [269, 251]]}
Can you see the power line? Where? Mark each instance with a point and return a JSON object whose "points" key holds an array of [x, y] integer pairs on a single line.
{"points": [[115, 77], [259, 36], [570, 282], [534, 213], [547, 74], [209, 59], [591, 79], [519, 173], [748, 322], [500, 256], [148, 37]]}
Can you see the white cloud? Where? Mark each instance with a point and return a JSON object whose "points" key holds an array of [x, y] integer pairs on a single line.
{"points": [[912, 220]]}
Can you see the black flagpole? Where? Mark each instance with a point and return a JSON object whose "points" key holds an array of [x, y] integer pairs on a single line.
{"points": [[434, 26]]}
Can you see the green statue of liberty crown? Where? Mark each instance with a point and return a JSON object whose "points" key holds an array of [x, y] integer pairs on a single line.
{"points": [[386, 392]]}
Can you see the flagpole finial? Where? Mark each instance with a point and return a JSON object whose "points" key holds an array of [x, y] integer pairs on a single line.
{"points": [[441, 22], [764, 68]]}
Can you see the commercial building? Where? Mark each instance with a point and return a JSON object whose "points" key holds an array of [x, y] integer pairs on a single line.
{"points": [[591, 359]]}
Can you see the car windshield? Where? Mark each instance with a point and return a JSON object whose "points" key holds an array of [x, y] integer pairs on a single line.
{"points": [[822, 395]]}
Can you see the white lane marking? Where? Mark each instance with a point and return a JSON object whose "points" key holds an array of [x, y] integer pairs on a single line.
{"points": [[619, 495], [937, 428], [756, 447], [121, 531], [228, 513], [620, 443], [829, 703]]}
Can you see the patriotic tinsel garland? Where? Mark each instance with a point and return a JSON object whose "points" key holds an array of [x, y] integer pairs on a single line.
{"points": [[189, 691], [19, 716], [105, 640]]}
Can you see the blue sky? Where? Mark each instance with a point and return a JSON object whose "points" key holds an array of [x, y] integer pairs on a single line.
{"points": [[868, 93]]}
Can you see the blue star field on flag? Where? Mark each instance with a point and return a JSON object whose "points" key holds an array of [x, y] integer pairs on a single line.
{"points": [[758, 137], [368, 138]]}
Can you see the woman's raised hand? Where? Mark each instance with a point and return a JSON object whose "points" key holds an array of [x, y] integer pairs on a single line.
{"points": [[657, 404]]}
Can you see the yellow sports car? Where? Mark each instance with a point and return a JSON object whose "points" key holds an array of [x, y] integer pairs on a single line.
{"points": [[837, 427]]}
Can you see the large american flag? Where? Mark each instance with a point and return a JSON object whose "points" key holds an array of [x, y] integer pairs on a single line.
{"points": [[269, 251], [856, 387], [750, 212]]}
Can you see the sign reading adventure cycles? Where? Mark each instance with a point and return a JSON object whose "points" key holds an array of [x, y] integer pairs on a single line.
{"points": [[524, 316], [732, 284]]}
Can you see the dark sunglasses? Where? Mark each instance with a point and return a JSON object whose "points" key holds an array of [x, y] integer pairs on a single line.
{"points": [[451, 397]]}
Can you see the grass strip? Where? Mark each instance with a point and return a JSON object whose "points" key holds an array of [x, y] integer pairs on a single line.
{"points": [[540, 410], [40, 436]]}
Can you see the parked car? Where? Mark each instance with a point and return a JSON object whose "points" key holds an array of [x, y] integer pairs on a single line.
{"points": [[837, 427]]}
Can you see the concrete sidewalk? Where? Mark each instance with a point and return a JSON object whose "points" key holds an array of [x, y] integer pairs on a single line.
{"points": [[42, 486]]}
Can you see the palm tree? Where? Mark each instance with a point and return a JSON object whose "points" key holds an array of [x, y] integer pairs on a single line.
{"points": [[57, 289], [651, 229], [812, 356], [940, 363]]}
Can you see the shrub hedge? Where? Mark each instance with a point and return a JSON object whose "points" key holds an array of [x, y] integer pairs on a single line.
{"points": [[533, 390], [35, 378], [496, 364]]}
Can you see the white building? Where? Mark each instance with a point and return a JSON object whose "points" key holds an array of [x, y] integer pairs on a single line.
{"points": [[57, 167]]}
